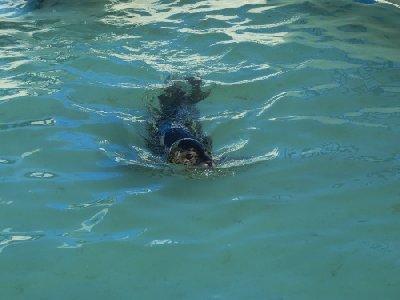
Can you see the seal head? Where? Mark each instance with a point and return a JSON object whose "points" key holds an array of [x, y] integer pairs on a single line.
{"points": [[190, 152]]}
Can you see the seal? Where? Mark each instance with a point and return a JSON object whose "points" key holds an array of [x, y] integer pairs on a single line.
{"points": [[175, 131]]}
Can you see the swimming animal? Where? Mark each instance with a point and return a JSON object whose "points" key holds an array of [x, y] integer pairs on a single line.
{"points": [[175, 131]]}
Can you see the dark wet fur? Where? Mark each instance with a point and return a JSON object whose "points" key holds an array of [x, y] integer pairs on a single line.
{"points": [[177, 103]]}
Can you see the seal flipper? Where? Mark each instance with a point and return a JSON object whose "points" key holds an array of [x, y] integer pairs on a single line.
{"points": [[196, 93], [176, 92]]}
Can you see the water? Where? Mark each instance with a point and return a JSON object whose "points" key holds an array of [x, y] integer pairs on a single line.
{"points": [[304, 109]]}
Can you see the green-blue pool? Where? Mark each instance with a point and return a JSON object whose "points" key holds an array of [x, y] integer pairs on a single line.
{"points": [[304, 114]]}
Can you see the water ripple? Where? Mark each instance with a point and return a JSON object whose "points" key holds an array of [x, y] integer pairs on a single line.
{"points": [[304, 118], [9, 237]]}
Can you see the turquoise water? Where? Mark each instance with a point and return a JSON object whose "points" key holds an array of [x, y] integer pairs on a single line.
{"points": [[304, 116]]}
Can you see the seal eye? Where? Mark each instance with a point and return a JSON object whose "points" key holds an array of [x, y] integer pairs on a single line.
{"points": [[189, 156]]}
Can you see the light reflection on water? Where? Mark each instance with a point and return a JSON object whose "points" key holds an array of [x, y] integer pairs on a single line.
{"points": [[304, 117]]}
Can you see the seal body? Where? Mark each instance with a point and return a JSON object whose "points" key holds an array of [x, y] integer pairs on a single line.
{"points": [[177, 134]]}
